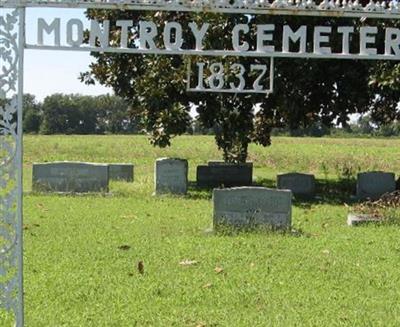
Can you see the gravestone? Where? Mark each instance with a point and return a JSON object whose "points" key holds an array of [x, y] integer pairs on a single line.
{"points": [[78, 177], [171, 176], [217, 175], [252, 206], [302, 185], [121, 172], [372, 185], [224, 163]]}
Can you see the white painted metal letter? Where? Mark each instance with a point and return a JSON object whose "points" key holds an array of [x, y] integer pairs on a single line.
{"points": [[54, 28]]}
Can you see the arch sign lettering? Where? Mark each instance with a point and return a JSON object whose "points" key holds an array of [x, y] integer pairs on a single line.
{"points": [[261, 43]]}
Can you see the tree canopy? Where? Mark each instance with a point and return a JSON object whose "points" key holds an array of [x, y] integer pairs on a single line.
{"points": [[306, 91]]}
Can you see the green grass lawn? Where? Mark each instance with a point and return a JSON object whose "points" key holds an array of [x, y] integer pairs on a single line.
{"points": [[81, 252]]}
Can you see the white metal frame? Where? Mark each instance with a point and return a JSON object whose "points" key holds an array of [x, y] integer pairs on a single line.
{"points": [[12, 40], [324, 8]]}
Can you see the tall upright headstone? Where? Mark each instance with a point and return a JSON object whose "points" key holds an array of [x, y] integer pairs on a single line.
{"points": [[171, 176], [252, 206], [121, 172], [78, 177], [302, 185], [372, 185]]}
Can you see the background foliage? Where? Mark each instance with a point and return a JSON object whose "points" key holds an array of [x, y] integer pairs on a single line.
{"points": [[307, 92]]}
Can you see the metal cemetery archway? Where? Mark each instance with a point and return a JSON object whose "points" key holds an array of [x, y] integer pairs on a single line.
{"points": [[13, 43]]}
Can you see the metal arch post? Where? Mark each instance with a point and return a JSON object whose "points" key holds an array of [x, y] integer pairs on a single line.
{"points": [[21, 46]]}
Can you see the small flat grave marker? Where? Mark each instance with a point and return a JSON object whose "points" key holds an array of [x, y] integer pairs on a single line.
{"points": [[361, 219], [70, 177], [252, 206], [171, 176]]}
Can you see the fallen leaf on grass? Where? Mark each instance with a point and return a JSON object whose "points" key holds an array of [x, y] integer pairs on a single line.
{"points": [[208, 285], [124, 247], [129, 217], [219, 270], [140, 267], [187, 262]]}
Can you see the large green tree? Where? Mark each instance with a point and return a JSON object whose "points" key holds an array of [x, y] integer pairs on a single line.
{"points": [[306, 92]]}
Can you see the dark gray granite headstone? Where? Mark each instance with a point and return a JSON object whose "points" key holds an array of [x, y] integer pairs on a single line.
{"points": [[78, 177], [372, 185], [252, 206], [121, 172], [299, 184], [224, 163], [224, 175], [171, 176]]}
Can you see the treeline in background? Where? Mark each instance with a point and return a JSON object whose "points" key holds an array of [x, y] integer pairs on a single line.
{"points": [[109, 114], [78, 114]]}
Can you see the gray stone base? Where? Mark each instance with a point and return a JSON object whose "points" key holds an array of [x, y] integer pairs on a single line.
{"points": [[121, 172]]}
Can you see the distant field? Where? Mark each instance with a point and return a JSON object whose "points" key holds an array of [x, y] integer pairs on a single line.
{"points": [[81, 252]]}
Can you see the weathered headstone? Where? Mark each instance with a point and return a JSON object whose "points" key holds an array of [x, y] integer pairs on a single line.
{"points": [[252, 206], [78, 177], [302, 185], [224, 175], [171, 176], [372, 185], [121, 172]]}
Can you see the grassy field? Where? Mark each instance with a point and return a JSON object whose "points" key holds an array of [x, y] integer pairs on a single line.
{"points": [[81, 252]]}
